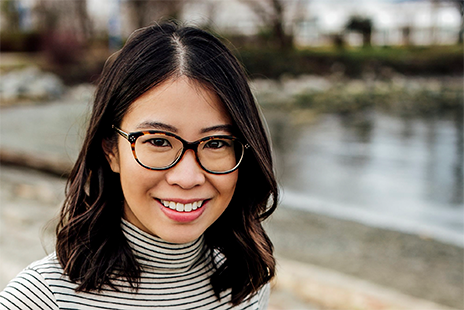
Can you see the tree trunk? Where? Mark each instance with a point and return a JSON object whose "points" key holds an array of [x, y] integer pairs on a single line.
{"points": [[83, 18]]}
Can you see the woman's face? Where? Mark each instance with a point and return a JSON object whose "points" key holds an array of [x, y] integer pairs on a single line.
{"points": [[187, 109]]}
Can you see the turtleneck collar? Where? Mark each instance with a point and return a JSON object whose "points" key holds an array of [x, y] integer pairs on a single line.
{"points": [[155, 253]]}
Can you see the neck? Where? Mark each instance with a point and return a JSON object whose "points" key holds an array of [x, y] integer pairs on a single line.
{"points": [[154, 253]]}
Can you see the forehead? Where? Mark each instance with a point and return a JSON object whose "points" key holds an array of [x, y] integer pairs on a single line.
{"points": [[181, 103]]}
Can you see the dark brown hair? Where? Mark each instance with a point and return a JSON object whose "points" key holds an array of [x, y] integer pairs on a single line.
{"points": [[91, 246]]}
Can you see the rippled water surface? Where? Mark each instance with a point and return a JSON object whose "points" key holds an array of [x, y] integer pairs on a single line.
{"points": [[394, 172]]}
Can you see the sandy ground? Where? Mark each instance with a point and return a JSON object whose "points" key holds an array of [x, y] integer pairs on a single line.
{"points": [[410, 264]]}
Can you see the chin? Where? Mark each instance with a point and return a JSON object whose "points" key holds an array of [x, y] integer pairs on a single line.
{"points": [[181, 236], [180, 239]]}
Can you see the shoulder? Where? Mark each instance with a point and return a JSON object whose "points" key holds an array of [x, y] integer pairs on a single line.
{"points": [[48, 266], [259, 300], [263, 296], [30, 289]]}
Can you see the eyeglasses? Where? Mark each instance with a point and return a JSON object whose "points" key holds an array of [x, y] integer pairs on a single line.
{"points": [[160, 150]]}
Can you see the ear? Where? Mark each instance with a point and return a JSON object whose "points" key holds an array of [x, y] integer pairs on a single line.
{"points": [[111, 154]]}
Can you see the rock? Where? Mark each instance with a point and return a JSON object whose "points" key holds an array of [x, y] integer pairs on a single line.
{"points": [[46, 86], [30, 84]]}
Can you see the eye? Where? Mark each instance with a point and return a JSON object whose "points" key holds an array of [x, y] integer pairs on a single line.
{"points": [[217, 144], [159, 142]]}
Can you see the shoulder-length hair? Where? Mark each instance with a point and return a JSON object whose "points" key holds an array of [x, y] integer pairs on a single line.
{"points": [[90, 244]]}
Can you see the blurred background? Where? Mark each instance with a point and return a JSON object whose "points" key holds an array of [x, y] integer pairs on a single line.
{"points": [[364, 103]]}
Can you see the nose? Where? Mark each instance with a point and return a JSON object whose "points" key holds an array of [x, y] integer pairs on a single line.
{"points": [[187, 173]]}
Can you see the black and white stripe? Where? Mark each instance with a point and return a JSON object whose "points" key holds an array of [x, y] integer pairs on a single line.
{"points": [[175, 276]]}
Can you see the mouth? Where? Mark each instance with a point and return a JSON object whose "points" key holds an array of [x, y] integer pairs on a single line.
{"points": [[180, 207]]}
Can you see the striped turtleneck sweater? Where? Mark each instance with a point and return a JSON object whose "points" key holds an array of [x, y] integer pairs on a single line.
{"points": [[175, 276]]}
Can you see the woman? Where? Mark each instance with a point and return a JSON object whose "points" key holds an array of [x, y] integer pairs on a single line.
{"points": [[164, 206]]}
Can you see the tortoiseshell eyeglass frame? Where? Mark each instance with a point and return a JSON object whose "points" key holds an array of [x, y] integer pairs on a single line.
{"points": [[133, 136]]}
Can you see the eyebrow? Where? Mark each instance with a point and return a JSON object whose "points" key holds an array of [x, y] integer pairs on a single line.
{"points": [[157, 125], [166, 127], [226, 128]]}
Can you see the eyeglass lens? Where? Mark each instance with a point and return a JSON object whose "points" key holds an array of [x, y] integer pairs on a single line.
{"points": [[218, 154]]}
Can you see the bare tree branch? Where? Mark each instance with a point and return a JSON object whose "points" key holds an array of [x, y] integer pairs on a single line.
{"points": [[271, 14]]}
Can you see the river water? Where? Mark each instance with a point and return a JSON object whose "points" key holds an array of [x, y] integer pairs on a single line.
{"points": [[393, 172]]}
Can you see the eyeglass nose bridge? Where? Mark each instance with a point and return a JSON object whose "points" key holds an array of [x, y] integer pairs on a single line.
{"points": [[188, 146]]}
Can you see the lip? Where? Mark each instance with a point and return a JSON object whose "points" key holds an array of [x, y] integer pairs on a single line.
{"points": [[183, 217]]}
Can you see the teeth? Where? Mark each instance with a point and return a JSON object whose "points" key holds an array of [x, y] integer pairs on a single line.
{"points": [[180, 207]]}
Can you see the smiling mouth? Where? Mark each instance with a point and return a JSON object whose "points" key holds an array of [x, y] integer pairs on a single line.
{"points": [[180, 207]]}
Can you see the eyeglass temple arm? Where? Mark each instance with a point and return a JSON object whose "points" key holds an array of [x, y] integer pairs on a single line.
{"points": [[122, 133]]}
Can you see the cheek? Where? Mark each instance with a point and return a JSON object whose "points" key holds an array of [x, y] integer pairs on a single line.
{"points": [[127, 160], [134, 178], [226, 184]]}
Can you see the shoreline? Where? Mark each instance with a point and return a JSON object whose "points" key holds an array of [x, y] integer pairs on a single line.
{"points": [[375, 218]]}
